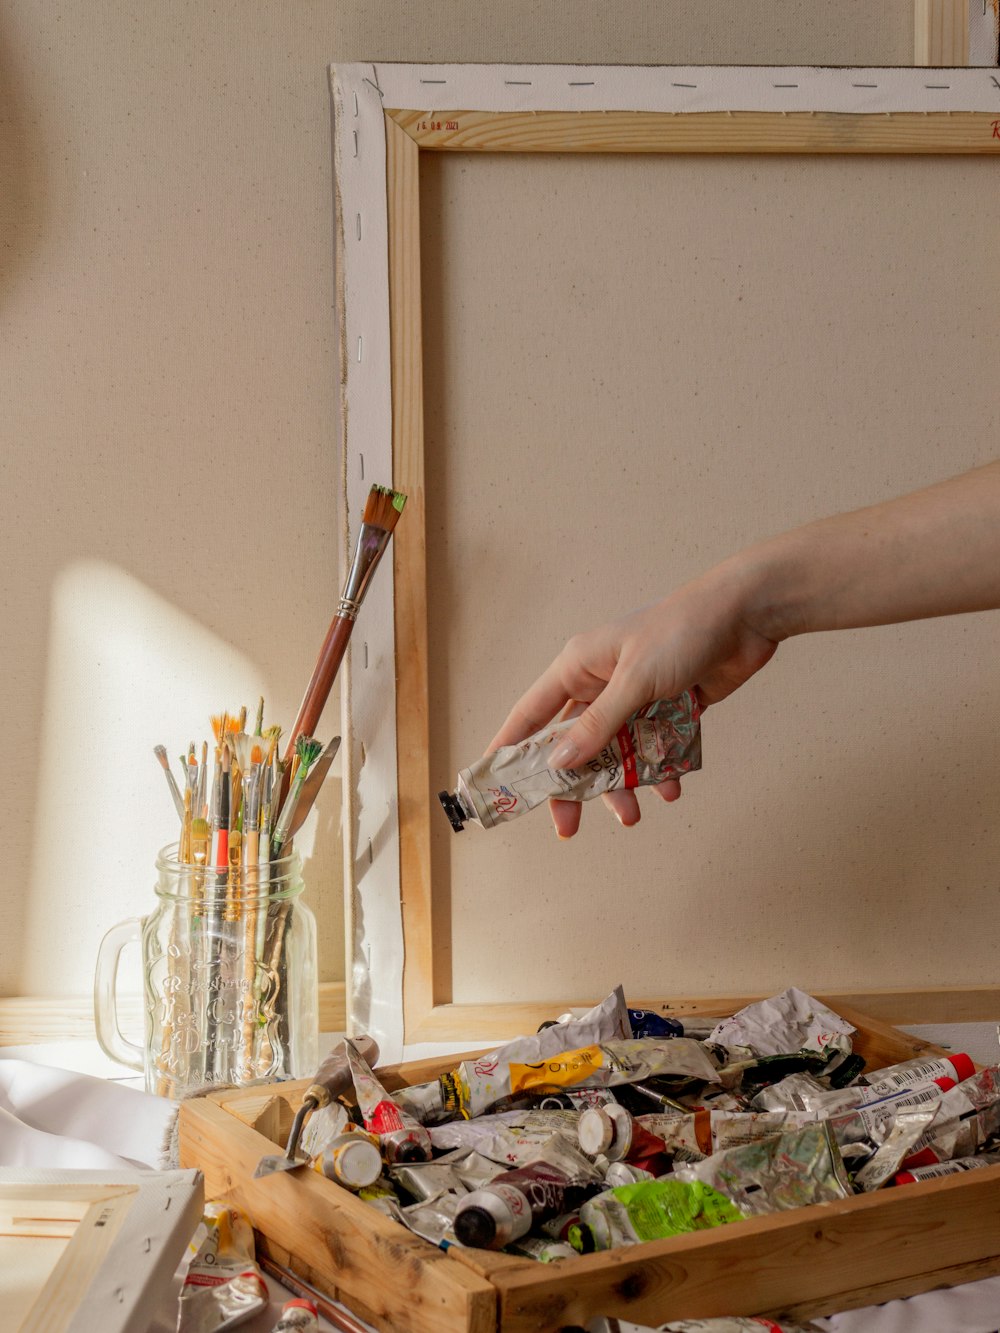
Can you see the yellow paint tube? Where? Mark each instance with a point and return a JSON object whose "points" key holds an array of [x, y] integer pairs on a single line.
{"points": [[223, 1285]]}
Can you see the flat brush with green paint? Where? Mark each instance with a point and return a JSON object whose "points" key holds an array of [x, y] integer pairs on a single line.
{"points": [[382, 511], [307, 751]]}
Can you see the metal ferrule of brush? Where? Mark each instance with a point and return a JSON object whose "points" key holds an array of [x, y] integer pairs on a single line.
{"points": [[372, 541]]}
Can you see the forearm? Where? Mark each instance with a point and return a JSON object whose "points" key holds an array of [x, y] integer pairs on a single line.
{"points": [[932, 553]]}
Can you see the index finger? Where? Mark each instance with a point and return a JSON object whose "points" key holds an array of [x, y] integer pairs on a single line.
{"points": [[536, 706]]}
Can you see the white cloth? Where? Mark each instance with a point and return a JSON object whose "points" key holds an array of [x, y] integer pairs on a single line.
{"points": [[50, 1117]]}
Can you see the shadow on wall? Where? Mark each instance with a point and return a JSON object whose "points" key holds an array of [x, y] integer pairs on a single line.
{"points": [[25, 208]]}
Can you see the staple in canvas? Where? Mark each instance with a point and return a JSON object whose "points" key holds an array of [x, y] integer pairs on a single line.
{"points": [[518, 83], [356, 107], [433, 80], [361, 460], [359, 226], [366, 656], [372, 85], [864, 85], [786, 85], [581, 83], [684, 85], [937, 85], [360, 345]]}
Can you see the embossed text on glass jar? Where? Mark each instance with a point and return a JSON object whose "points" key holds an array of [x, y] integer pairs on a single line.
{"points": [[229, 970]]}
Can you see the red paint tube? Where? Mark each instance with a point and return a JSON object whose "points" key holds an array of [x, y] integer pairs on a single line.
{"points": [[401, 1137]]}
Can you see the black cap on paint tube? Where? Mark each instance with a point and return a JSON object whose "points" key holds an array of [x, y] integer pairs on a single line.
{"points": [[486, 1221], [453, 809], [408, 1151]]}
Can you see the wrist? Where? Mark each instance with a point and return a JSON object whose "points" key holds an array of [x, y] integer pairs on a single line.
{"points": [[765, 586]]}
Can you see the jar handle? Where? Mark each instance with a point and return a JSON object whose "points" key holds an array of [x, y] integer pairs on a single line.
{"points": [[109, 1033]]}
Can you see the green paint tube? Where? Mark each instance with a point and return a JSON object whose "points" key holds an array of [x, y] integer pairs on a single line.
{"points": [[650, 1210]]}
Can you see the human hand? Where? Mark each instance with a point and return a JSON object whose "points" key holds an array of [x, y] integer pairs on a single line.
{"points": [[699, 637]]}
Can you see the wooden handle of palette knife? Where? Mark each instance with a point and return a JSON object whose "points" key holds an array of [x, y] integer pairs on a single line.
{"points": [[318, 690]]}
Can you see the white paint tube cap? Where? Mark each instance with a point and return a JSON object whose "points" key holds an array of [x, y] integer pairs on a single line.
{"points": [[595, 1130], [356, 1162], [622, 1122]]}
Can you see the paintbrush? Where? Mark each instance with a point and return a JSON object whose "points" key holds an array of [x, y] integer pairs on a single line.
{"points": [[381, 515], [161, 754], [200, 805], [311, 786], [251, 842], [307, 751]]}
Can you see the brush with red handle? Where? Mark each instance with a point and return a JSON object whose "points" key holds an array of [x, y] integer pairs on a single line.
{"points": [[381, 515]]}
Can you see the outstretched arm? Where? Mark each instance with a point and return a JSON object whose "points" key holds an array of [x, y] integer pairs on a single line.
{"points": [[932, 553]]}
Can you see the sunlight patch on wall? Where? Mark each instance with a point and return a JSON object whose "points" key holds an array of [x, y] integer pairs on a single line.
{"points": [[126, 670]]}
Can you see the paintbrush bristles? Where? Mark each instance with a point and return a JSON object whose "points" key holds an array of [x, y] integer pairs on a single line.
{"points": [[383, 507]]}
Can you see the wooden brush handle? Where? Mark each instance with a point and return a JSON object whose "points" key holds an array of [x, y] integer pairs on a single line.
{"points": [[318, 690]]}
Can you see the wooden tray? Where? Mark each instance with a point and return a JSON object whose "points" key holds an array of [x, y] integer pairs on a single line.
{"points": [[811, 1261]]}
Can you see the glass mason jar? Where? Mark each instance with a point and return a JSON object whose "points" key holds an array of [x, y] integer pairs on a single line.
{"points": [[229, 974]]}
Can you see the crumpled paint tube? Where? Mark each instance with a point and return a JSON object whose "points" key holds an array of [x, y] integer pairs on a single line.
{"points": [[223, 1285], [322, 1127], [792, 1170], [545, 1251], [662, 740], [298, 1316], [476, 1085], [916, 1174], [650, 1210], [786, 1023], [528, 1124], [968, 1116], [731, 1324], [402, 1138], [426, 1180], [800, 1092], [902, 1134], [607, 1021], [433, 1219]]}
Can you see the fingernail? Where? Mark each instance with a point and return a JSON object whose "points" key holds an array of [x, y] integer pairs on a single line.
{"points": [[564, 755]]}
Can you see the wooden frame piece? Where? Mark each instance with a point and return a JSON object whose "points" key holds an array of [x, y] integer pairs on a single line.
{"points": [[87, 1250], [941, 32], [802, 1263], [408, 132]]}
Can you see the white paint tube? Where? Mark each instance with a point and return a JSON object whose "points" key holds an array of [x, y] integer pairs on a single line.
{"points": [[661, 741], [471, 1133], [223, 1285], [476, 1085]]}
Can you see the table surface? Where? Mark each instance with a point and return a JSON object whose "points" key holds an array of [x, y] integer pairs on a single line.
{"points": [[974, 1308]]}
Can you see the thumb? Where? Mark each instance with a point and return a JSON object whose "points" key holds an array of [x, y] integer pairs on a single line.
{"points": [[596, 725]]}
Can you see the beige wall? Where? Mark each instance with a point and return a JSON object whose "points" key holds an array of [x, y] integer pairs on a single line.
{"points": [[167, 541]]}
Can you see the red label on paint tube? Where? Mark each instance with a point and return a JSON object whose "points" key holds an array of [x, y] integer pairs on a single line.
{"points": [[385, 1119], [630, 777]]}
